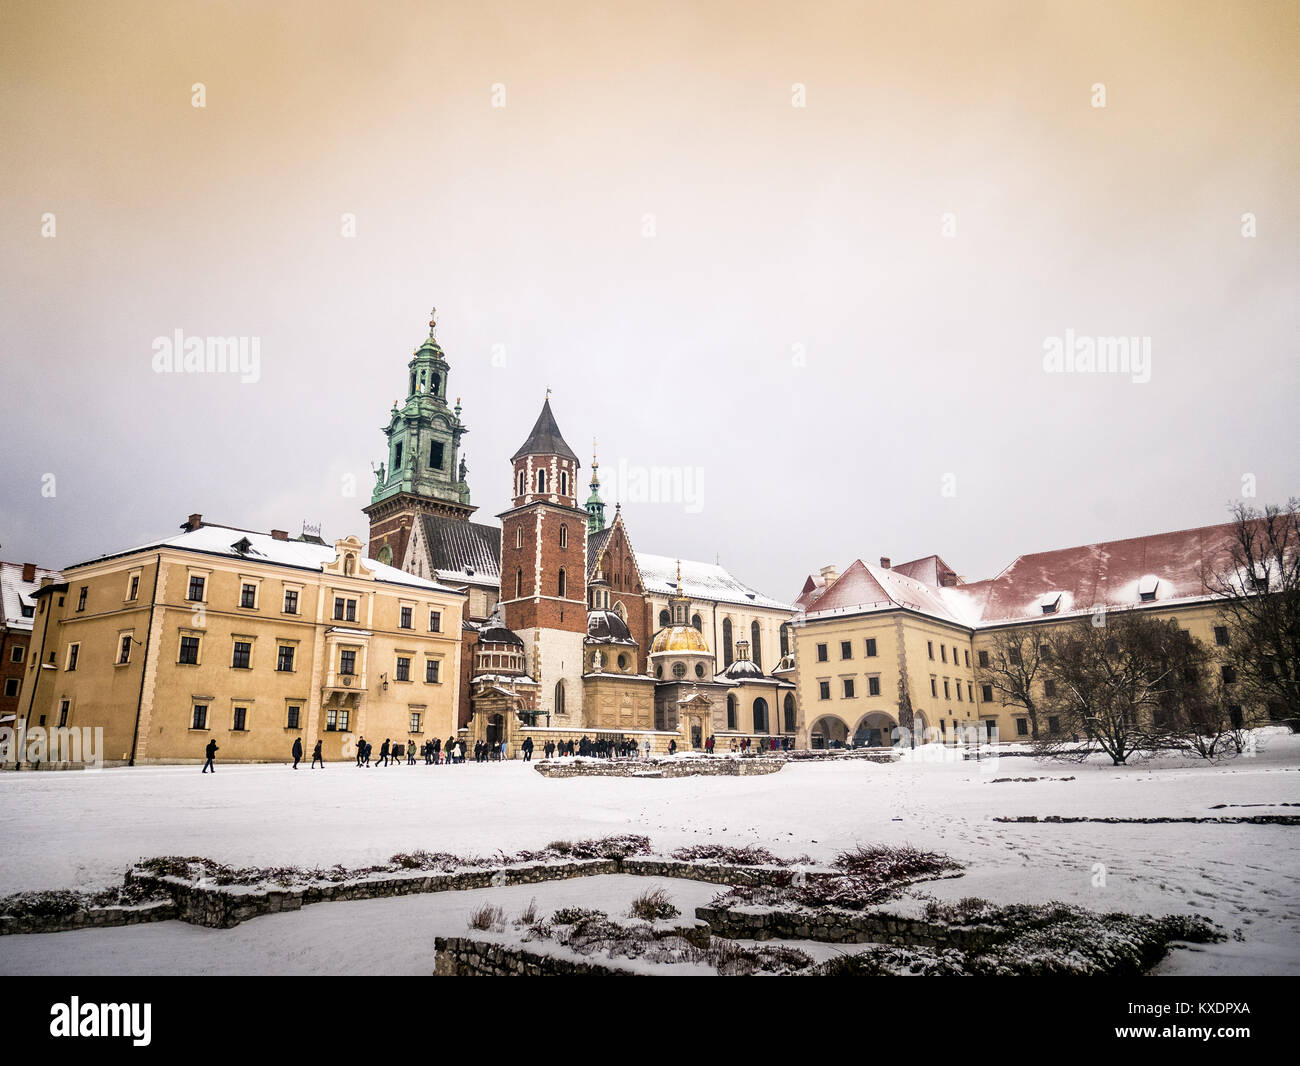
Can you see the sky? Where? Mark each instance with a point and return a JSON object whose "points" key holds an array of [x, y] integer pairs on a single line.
{"points": [[804, 262]]}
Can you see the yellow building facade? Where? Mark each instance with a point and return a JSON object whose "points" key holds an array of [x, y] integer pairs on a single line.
{"points": [[249, 639]]}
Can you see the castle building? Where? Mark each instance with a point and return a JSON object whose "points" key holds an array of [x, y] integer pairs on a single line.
{"points": [[882, 649], [18, 585], [599, 630], [249, 639]]}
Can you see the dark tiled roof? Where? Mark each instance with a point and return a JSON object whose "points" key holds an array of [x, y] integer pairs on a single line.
{"points": [[596, 545], [545, 439], [457, 549]]}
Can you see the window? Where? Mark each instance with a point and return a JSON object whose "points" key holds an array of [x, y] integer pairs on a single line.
{"points": [[241, 720], [403, 668], [196, 588], [1045, 653], [247, 595], [564, 536], [408, 620], [541, 481], [873, 686], [698, 623], [284, 661], [727, 655], [946, 694], [934, 688], [562, 585], [929, 644], [74, 652], [124, 650], [564, 485], [823, 690], [519, 535], [984, 658], [199, 717], [435, 455], [336, 720], [970, 692], [871, 647], [1013, 656], [756, 645], [521, 489], [679, 670], [1022, 727], [1221, 636], [846, 649], [295, 712], [821, 653], [134, 589], [415, 721], [64, 707], [347, 661], [1049, 689], [760, 715], [350, 614], [848, 688], [943, 652], [397, 456], [519, 583], [986, 693], [431, 671], [16, 654], [243, 655], [965, 654], [11, 686], [290, 601], [959, 692], [789, 713], [189, 651], [731, 712], [1053, 724], [338, 608], [81, 598], [559, 697]]}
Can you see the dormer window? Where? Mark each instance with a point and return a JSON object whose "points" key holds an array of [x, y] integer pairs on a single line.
{"points": [[1147, 588], [1051, 603], [243, 546], [1259, 577]]}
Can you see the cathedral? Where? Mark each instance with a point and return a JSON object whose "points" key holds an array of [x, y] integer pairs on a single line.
{"points": [[568, 631]]}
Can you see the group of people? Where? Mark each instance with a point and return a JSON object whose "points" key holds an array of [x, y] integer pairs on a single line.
{"points": [[433, 752]]}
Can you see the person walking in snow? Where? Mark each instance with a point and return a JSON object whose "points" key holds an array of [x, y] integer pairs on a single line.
{"points": [[361, 750], [672, 747], [317, 756], [297, 751], [383, 754], [528, 749], [211, 752]]}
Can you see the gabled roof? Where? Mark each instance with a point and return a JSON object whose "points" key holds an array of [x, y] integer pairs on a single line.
{"points": [[462, 552], [15, 593], [211, 539], [545, 439], [595, 547], [929, 568], [700, 581], [864, 588]]}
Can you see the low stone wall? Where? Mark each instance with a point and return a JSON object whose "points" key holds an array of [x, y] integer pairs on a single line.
{"points": [[92, 918], [219, 907], [713, 873], [842, 927], [462, 957], [882, 755], [718, 766]]}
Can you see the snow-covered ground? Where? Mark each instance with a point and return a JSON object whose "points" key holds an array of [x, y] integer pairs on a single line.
{"points": [[65, 830]]}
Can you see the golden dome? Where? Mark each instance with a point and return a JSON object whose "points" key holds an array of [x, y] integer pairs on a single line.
{"points": [[681, 639]]}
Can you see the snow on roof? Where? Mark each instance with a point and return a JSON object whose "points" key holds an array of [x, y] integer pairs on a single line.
{"points": [[863, 588], [461, 552], [700, 581], [15, 594], [264, 548]]}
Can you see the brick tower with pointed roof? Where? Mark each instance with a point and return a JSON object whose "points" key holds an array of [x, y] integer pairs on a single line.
{"points": [[543, 567]]}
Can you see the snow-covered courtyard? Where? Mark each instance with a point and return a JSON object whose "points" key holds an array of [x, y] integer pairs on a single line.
{"points": [[82, 830]]}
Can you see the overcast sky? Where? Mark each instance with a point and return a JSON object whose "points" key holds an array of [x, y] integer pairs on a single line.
{"points": [[763, 298]]}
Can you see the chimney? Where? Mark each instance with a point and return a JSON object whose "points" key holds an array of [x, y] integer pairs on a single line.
{"points": [[279, 534], [829, 574], [192, 523], [884, 562], [29, 573]]}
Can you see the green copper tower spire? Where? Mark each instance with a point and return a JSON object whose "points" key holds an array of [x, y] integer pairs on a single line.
{"points": [[595, 505]]}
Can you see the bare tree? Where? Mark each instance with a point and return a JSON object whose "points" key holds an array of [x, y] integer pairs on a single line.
{"points": [[1014, 665], [1257, 581], [1130, 686]]}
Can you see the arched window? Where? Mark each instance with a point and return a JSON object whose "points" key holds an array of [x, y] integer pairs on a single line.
{"points": [[755, 651], [519, 536], [564, 536], [620, 610], [785, 639], [519, 582], [664, 619], [434, 386], [564, 483], [789, 712], [541, 481], [726, 642], [697, 623], [731, 712], [521, 484], [760, 715], [562, 584], [559, 697]]}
